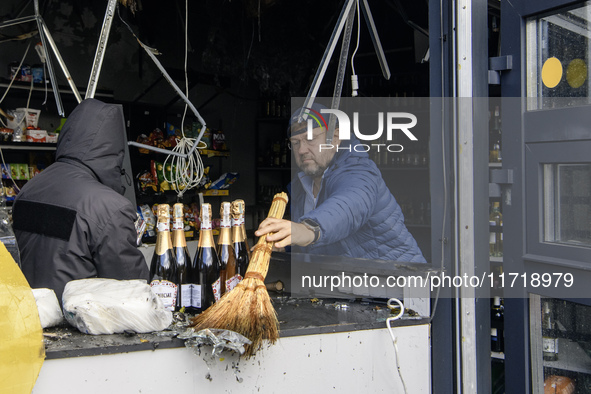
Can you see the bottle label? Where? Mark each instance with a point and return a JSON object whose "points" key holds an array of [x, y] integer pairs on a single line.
{"points": [[492, 238], [205, 216], [163, 226], [232, 282], [166, 291], [186, 295], [196, 296], [216, 289], [549, 345], [177, 224]]}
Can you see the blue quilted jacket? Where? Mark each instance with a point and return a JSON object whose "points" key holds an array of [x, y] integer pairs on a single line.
{"points": [[357, 213]]}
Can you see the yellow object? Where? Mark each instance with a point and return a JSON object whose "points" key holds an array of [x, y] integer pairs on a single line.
{"points": [[551, 72], [21, 337], [576, 73]]}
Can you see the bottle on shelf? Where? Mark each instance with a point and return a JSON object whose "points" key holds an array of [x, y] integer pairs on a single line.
{"points": [[163, 272], [495, 222], [549, 339], [276, 149], [495, 138], [183, 259], [497, 325], [495, 153], [228, 278], [285, 153], [241, 249], [206, 290]]}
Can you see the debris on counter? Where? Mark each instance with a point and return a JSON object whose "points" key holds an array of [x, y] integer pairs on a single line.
{"points": [[220, 340]]}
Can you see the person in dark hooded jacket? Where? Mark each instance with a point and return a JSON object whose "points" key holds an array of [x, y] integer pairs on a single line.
{"points": [[71, 221], [340, 205]]}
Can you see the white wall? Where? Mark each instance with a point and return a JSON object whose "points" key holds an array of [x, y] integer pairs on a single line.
{"points": [[350, 362]]}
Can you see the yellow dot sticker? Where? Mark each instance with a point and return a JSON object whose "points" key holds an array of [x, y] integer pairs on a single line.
{"points": [[551, 72], [576, 73]]}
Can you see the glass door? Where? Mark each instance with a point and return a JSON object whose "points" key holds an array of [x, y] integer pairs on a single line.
{"points": [[546, 109]]}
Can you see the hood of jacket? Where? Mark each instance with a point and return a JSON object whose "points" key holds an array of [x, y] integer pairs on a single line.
{"points": [[94, 137]]}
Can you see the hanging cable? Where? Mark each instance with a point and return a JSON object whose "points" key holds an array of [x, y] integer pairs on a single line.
{"points": [[186, 169], [394, 339], [185, 173], [354, 80]]}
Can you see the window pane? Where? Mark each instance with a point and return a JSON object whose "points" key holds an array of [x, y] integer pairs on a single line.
{"points": [[558, 58], [567, 204]]}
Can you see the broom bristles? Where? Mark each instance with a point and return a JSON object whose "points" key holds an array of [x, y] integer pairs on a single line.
{"points": [[247, 309]]}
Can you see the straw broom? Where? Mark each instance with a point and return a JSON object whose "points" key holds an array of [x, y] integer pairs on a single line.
{"points": [[247, 309]]}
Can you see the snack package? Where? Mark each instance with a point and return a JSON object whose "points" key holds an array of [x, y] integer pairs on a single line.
{"points": [[224, 181], [6, 174], [148, 216], [36, 135], [18, 124], [163, 183], [172, 130], [156, 138], [205, 181], [100, 306], [140, 227], [6, 134], [10, 193], [143, 139], [219, 140], [14, 171], [31, 116], [145, 182], [23, 171], [205, 139]]}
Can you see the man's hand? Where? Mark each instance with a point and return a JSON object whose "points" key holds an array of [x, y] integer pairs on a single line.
{"points": [[284, 233]]}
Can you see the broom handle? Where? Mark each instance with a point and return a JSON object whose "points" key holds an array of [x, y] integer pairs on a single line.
{"points": [[259, 263]]}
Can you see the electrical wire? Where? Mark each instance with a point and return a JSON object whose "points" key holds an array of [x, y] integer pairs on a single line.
{"points": [[354, 79], [186, 167], [15, 74], [358, 36], [13, 79], [443, 160], [394, 339], [185, 173]]}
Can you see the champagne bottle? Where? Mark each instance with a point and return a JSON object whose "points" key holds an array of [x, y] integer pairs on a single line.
{"points": [[496, 231], [225, 251], [163, 273], [207, 288], [241, 249], [549, 340], [497, 325], [183, 259]]}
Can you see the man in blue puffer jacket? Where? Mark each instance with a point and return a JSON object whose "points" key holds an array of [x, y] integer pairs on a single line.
{"points": [[340, 203]]}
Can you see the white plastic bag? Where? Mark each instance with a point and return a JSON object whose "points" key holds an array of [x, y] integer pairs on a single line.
{"points": [[50, 312], [107, 306]]}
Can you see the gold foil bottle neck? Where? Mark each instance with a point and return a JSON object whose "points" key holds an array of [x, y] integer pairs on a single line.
{"points": [[237, 234], [237, 210], [163, 240], [163, 212], [178, 239], [225, 237], [163, 223]]}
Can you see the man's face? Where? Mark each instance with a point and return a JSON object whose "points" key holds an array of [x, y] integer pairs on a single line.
{"points": [[307, 153]]}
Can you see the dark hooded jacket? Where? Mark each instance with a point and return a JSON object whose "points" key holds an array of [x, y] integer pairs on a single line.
{"points": [[71, 221], [357, 214]]}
